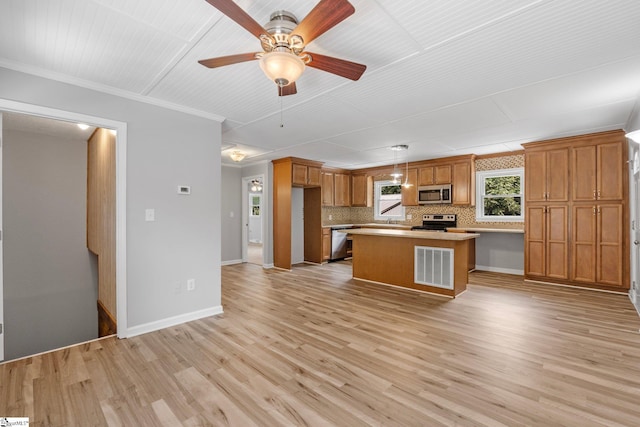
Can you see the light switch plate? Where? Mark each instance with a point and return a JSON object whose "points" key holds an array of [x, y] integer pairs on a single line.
{"points": [[150, 215]]}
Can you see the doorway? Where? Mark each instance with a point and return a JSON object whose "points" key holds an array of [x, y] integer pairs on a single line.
{"points": [[121, 129], [253, 220]]}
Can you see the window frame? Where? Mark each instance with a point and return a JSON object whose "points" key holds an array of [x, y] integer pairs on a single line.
{"points": [[376, 202], [481, 176]]}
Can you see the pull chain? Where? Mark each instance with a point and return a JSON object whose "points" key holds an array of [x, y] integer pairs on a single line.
{"points": [[281, 121]]}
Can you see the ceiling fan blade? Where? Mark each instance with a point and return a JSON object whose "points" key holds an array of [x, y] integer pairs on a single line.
{"points": [[340, 67], [221, 61], [323, 17], [289, 89], [233, 11]]}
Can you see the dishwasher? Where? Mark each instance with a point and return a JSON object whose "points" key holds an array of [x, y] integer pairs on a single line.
{"points": [[339, 243]]}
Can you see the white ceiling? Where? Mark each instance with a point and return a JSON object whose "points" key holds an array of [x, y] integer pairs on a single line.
{"points": [[446, 77]]}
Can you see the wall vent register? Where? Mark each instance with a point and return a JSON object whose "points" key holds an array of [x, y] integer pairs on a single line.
{"points": [[433, 267]]}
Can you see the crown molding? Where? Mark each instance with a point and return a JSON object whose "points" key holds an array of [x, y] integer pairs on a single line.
{"points": [[110, 90]]}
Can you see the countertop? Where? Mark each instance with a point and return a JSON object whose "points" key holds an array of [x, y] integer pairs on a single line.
{"points": [[488, 229], [371, 225], [412, 234]]}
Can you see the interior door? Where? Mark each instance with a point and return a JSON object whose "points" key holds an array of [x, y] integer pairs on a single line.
{"points": [[635, 227], [1, 256]]}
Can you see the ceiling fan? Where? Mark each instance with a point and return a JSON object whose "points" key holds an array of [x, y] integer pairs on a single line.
{"points": [[283, 41]]}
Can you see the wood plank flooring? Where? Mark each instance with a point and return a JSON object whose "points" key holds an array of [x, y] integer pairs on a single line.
{"points": [[313, 347]]}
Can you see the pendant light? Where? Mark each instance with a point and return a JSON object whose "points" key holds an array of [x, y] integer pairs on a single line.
{"points": [[397, 172]]}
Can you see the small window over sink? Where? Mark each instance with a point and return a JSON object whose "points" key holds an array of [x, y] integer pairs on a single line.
{"points": [[388, 201], [500, 195]]}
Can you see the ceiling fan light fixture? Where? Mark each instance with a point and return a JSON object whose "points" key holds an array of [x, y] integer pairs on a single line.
{"points": [[283, 68]]}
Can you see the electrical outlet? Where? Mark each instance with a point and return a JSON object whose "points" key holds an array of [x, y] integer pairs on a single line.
{"points": [[191, 284], [409, 216], [330, 217]]}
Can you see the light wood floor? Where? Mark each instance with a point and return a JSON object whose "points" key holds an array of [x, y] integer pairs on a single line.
{"points": [[313, 347]]}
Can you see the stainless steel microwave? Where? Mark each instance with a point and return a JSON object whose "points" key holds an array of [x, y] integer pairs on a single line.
{"points": [[434, 194]]}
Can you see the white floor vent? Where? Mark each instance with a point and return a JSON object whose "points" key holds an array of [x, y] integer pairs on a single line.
{"points": [[434, 267]]}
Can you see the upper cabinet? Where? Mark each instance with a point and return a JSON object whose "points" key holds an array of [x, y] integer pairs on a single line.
{"points": [[598, 172], [434, 175], [410, 191], [464, 182], [336, 187], [361, 190], [305, 175], [327, 188], [341, 189], [547, 175]]}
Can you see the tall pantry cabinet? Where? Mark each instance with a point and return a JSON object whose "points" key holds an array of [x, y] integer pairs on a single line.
{"points": [[576, 202]]}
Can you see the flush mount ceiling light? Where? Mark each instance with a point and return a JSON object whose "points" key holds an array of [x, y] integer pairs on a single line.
{"points": [[634, 136], [237, 156], [83, 126]]}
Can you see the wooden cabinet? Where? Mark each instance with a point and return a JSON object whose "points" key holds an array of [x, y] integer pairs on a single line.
{"points": [[546, 241], [547, 176], [598, 244], [326, 244], [305, 175], [464, 183], [327, 188], [434, 175], [341, 189], [294, 172], [410, 192], [578, 184], [597, 172], [361, 190]]}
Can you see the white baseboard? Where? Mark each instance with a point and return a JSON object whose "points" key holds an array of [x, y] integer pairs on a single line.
{"points": [[172, 321], [267, 266], [500, 270], [231, 262]]}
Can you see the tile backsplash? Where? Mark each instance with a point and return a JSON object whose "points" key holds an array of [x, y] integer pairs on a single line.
{"points": [[466, 215]]}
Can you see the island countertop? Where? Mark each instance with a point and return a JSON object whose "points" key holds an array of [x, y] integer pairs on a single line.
{"points": [[411, 234]]}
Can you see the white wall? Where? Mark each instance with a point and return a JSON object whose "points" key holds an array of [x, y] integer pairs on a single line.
{"points": [[50, 278], [165, 148], [500, 252], [231, 204]]}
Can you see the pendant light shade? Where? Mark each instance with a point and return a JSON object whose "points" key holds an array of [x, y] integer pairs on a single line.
{"points": [[282, 67]]}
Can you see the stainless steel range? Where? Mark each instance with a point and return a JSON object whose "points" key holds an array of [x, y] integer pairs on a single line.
{"points": [[437, 222]]}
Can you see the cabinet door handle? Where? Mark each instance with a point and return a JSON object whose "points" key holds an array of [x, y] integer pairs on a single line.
{"points": [[594, 195], [598, 194], [594, 210]]}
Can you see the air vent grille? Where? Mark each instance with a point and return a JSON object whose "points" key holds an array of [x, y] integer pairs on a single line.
{"points": [[434, 267]]}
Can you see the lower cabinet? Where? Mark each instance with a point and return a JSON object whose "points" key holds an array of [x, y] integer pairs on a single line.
{"points": [[591, 254], [598, 244], [326, 244], [547, 242]]}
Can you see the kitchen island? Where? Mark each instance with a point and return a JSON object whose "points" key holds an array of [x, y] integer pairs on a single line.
{"points": [[428, 261]]}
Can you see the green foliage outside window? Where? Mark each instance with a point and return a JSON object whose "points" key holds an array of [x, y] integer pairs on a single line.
{"points": [[391, 189], [502, 196]]}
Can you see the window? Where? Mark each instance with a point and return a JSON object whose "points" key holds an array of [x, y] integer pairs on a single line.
{"points": [[500, 195], [255, 204], [388, 201]]}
